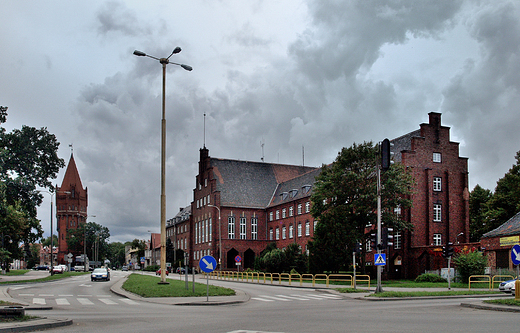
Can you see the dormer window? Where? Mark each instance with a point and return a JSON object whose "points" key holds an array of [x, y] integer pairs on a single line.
{"points": [[293, 193], [284, 195], [306, 188]]}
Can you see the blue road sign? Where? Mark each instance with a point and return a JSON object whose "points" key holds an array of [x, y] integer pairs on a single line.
{"points": [[380, 259], [515, 254], [207, 264]]}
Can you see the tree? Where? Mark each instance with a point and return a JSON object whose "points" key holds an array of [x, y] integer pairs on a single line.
{"points": [[470, 263], [505, 202], [116, 254], [47, 241], [28, 158], [140, 246], [478, 200], [344, 201], [96, 236]]}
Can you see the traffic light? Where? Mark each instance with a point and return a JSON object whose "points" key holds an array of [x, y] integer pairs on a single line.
{"points": [[386, 154], [358, 247], [445, 252], [373, 239], [449, 250], [387, 238]]}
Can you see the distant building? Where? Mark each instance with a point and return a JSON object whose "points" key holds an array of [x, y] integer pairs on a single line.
{"points": [[497, 243], [71, 207]]}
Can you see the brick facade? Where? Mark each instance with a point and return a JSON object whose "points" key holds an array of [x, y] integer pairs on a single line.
{"points": [[71, 207], [277, 199]]}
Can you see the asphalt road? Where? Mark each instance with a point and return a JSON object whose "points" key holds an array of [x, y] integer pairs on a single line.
{"points": [[94, 308]]}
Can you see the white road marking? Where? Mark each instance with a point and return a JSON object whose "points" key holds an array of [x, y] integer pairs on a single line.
{"points": [[107, 301], [62, 301], [40, 301], [85, 301]]}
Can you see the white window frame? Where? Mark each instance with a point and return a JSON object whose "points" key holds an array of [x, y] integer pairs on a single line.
{"points": [[299, 209], [307, 228], [277, 214], [270, 216], [284, 232], [291, 211], [271, 234], [397, 240], [437, 157], [243, 228], [437, 212], [299, 229], [284, 213], [231, 227], [277, 234], [437, 184], [307, 207], [254, 228], [291, 231], [437, 239]]}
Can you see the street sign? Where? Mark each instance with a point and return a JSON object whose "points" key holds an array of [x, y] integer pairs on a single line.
{"points": [[238, 258], [515, 254], [207, 264], [380, 259]]}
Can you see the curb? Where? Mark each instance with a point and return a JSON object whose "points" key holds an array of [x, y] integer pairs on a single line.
{"points": [[489, 307], [33, 325]]}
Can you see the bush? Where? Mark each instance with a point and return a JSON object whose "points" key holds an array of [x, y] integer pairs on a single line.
{"points": [[429, 277], [152, 268], [471, 263]]}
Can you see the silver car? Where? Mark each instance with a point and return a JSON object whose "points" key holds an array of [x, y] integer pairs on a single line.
{"points": [[506, 286], [100, 274]]}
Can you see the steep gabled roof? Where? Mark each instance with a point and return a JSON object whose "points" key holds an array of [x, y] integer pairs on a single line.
{"points": [[511, 227], [251, 184], [71, 177]]}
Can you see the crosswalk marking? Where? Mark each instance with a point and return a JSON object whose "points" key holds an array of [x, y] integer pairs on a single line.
{"points": [[295, 297], [107, 301], [128, 301], [62, 301], [85, 301], [39, 301]]}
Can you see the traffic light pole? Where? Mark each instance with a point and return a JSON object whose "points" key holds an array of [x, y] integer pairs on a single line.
{"points": [[379, 289]]}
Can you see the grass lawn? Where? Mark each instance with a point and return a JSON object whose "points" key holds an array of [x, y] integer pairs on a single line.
{"points": [[47, 278], [505, 301], [148, 286], [14, 272]]}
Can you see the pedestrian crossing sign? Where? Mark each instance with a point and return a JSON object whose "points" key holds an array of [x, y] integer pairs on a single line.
{"points": [[380, 259]]}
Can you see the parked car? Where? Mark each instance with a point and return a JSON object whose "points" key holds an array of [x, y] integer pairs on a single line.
{"points": [[42, 267], [513, 289], [57, 269], [182, 270], [79, 268], [124, 269], [158, 272], [506, 286], [100, 274]]}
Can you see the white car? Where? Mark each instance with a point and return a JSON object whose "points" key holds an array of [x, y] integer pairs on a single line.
{"points": [[506, 286]]}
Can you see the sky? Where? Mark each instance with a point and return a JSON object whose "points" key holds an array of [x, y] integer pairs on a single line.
{"points": [[291, 81]]}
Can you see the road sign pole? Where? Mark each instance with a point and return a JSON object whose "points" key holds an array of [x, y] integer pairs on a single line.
{"points": [[379, 289]]}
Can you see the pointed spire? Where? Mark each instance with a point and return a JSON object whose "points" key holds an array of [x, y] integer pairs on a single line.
{"points": [[71, 176]]}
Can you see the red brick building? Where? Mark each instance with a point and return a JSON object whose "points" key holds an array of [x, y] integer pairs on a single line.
{"points": [[240, 206], [440, 212], [71, 207], [497, 243]]}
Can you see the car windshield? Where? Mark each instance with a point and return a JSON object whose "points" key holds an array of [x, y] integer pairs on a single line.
{"points": [[99, 270]]}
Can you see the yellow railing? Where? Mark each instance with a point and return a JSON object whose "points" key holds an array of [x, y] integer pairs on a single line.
{"points": [[479, 279], [501, 277], [279, 278]]}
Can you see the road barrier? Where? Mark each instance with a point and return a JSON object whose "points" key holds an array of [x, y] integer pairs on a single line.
{"points": [[479, 279], [288, 278], [497, 277]]}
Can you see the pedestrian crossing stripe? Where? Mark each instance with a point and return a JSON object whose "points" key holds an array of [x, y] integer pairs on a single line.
{"points": [[380, 259]]}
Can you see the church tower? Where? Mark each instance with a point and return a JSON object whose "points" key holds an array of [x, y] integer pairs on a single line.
{"points": [[71, 207]]}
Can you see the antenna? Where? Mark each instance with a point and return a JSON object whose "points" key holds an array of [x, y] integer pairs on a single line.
{"points": [[262, 145], [204, 144], [303, 155]]}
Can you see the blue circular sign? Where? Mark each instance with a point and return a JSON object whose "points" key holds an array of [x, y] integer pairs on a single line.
{"points": [[515, 254], [207, 264]]}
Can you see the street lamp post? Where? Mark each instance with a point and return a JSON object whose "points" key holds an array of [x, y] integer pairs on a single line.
{"points": [[164, 62], [51, 194], [85, 242], [219, 238]]}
